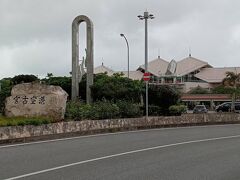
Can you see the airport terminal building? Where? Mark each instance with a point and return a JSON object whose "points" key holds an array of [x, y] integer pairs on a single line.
{"points": [[185, 74]]}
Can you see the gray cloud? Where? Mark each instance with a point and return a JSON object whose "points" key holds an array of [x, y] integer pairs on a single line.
{"points": [[35, 36]]}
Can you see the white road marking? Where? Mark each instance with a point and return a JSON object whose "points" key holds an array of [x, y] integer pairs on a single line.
{"points": [[109, 134], [119, 154]]}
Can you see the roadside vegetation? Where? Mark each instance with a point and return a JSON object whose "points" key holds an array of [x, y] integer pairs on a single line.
{"points": [[113, 97], [232, 81], [230, 85], [21, 121], [102, 110]]}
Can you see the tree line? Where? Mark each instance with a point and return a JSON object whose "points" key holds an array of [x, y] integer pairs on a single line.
{"points": [[106, 88], [118, 88]]}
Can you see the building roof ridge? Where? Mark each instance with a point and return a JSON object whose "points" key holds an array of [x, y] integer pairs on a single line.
{"points": [[103, 66], [191, 57]]}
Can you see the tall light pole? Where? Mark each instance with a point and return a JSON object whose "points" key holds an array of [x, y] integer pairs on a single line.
{"points": [[145, 17], [127, 50]]}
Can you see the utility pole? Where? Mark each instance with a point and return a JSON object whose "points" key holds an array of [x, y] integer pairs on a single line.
{"points": [[145, 17]]}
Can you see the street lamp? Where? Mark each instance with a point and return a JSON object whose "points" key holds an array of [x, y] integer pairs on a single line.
{"points": [[145, 17], [127, 50]]}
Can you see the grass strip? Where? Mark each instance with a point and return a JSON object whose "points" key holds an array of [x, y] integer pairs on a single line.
{"points": [[22, 121]]}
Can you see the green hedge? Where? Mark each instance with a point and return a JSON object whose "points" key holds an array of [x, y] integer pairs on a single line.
{"points": [[177, 109], [129, 110], [102, 110], [78, 111], [154, 110]]}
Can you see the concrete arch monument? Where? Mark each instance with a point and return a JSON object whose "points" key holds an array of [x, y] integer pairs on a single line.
{"points": [[76, 67]]}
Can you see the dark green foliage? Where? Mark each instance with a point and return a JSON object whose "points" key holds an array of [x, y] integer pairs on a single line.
{"points": [[63, 82], [111, 88], [154, 110], [199, 90], [24, 79], [21, 121], [82, 88], [104, 110], [6, 86], [129, 109], [98, 110], [163, 97], [113, 96], [177, 109], [223, 90], [78, 111], [114, 88], [66, 84]]}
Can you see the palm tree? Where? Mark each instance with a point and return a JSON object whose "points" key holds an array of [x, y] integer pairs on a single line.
{"points": [[232, 80]]}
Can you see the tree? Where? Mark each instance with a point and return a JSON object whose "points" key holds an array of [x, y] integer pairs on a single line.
{"points": [[6, 86], [64, 82], [116, 88], [222, 90], [232, 80], [163, 97], [24, 79], [198, 90]]}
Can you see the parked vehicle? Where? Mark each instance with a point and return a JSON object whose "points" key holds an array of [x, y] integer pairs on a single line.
{"points": [[200, 109], [226, 107]]}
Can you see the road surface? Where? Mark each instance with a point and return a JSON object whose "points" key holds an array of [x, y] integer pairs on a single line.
{"points": [[204, 152]]}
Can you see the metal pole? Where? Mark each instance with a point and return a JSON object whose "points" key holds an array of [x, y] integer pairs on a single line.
{"points": [[146, 58], [127, 50], [128, 57], [145, 17]]}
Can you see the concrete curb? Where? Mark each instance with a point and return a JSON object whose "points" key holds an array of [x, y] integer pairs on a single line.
{"points": [[102, 131]]}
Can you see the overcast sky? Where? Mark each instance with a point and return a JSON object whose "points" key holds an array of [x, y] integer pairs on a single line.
{"points": [[35, 35]]}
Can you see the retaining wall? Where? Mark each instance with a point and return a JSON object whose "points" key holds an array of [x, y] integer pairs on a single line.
{"points": [[13, 132]]}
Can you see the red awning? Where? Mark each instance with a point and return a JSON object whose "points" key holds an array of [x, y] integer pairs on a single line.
{"points": [[206, 97]]}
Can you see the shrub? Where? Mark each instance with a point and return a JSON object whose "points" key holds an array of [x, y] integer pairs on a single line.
{"points": [[177, 109], [104, 110], [128, 109], [198, 90], [78, 111], [98, 110], [154, 110], [116, 87], [6, 87], [163, 97]]}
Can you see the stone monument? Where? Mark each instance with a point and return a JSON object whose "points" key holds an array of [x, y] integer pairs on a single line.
{"points": [[34, 99], [77, 68]]}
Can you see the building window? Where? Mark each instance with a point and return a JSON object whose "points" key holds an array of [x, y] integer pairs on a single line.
{"points": [[168, 80], [191, 78]]}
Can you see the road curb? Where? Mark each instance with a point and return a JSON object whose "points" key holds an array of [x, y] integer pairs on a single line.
{"points": [[103, 131]]}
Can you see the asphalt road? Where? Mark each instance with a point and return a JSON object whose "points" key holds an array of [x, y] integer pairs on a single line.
{"points": [[207, 152]]}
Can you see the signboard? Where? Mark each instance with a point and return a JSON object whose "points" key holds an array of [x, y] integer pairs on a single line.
{"points": [[171, 67], [146, 76]]}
